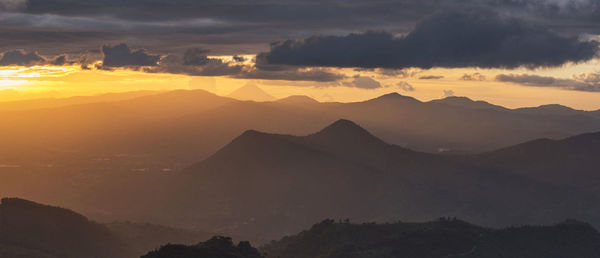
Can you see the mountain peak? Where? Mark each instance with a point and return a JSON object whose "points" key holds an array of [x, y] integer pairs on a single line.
{"points": [[251, 92], [465, 102], [341, 126], [345, 131], [297, 99], [395, 96]]}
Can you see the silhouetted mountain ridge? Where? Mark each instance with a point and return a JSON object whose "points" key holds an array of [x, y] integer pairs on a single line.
{"points": [[56, 231], [442, 238], [343, 170], [465, 102]]}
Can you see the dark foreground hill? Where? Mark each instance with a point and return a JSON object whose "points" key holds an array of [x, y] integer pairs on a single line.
{"points": [[28, 229], [438, 239], [216, 247], [31, 230]]}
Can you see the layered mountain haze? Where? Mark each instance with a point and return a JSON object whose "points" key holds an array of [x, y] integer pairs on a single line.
{"points": [[268, 185], [190, 129], [126, 148]]}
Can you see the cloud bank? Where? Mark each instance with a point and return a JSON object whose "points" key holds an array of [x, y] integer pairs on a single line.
{"points": [[449, 40]]}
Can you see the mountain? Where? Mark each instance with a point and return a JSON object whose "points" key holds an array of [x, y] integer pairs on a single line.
{"points": [[297, 100], [32, 230], [222, 247], [572, 161], [467, 103], [437, 239], [436, 127], [43, 103], [269, 185], [251, 92], [552, 109], [29, 229], [112, 149]]}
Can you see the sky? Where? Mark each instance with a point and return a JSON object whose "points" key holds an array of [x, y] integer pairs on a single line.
{"points": [[510, 52]]}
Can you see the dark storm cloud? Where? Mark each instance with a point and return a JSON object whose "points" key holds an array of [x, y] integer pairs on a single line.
{"points": [[581, 82], [196, 56], [316, 75], [449, 39], [246, 27], [195, 62], [122, 56], [24, 58]]}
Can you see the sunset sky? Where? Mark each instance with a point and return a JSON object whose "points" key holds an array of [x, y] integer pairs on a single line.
{"points": [[513, 53]]}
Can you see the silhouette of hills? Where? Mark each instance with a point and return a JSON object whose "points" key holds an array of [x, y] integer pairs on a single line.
{"points": [[214, 247], [45, 231], [440, 238], [468, 103], [552, 109], [32, 230], [113, 149], [571, 161], [269, 185], [43, 103]]}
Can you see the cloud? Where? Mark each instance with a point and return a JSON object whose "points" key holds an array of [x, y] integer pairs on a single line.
{"points": [[448, 93], [449, 39], [405, 86], [363, 82], [579, 82], [24, 58], [197, 56], [317, 75], [21, 58], [431, 77], [122, 56], [472, 77]]}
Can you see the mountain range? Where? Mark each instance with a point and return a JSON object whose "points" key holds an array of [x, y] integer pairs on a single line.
{"points": [[168, 158], [269, 185], [32, 230]]}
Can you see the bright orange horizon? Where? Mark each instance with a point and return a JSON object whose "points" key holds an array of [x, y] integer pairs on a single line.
{"points": [[20, 83]]}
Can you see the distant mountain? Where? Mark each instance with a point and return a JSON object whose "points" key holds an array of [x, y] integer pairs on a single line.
{"points": [[572, 161], [461, 128], [32, 104], [298, 100], [468, 103], [141, 141], [270, 185], [553, 109], [251, 92], [221, 247], [28, 229], [443, 238]]}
